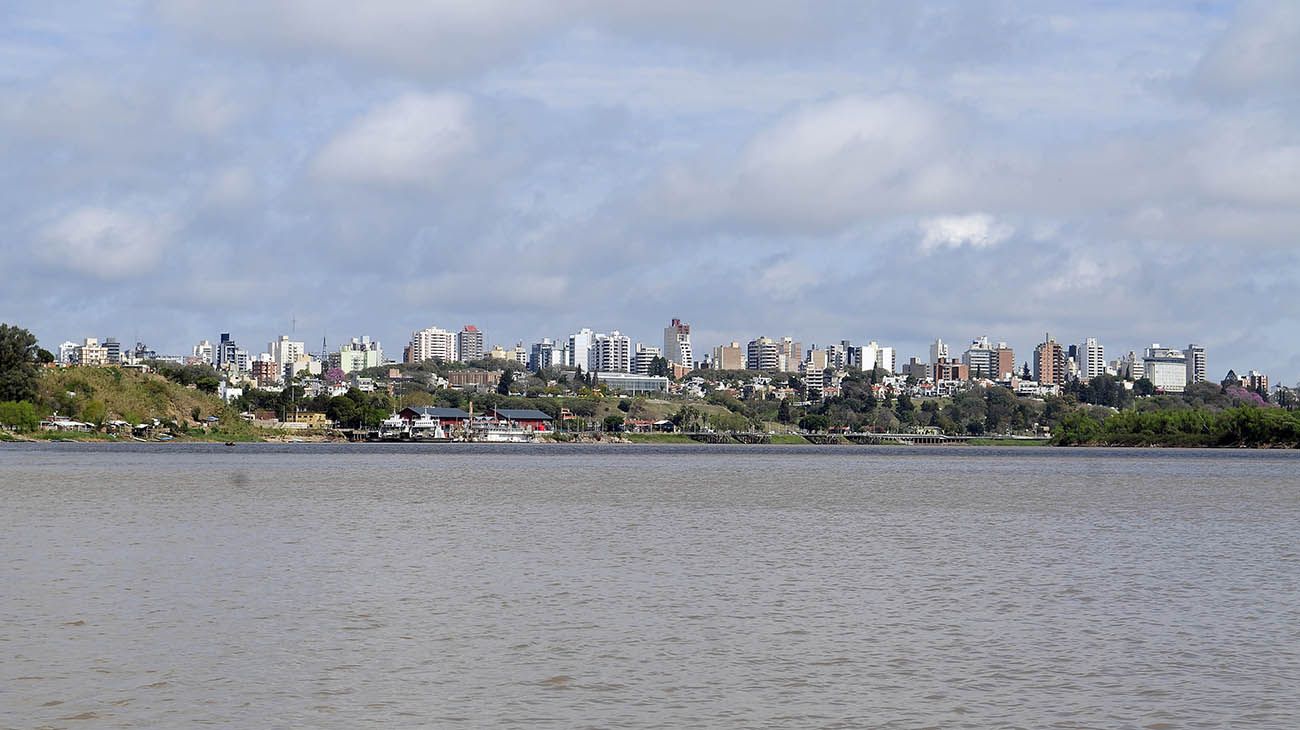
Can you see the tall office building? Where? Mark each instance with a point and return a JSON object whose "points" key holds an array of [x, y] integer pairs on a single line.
{"points": [[677, 344], [791, 354], [1166, 368], [469, 344], [980, 359], [938, 350], [544, 355]]}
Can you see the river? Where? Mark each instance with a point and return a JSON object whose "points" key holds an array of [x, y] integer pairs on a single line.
{"points": [[464, 585]]}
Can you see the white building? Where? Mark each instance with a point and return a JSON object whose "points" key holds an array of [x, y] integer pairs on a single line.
{"points": [[68, 353], [1092, 359], [629, 383], [763, 353], [938, 349], [205, 351], [432, 343], [645, 357], [577, 350], [980, 359], [1166, 368], [677, 344], [610, 353], [1195, 357], [285, 352]]}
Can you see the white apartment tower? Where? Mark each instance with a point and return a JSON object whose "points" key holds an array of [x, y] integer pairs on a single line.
{"points": [[577, 351], [677, 344], [1092, 359], [1195, 355], [645, 357], [610, 353], [938, 349], [432, 343]]}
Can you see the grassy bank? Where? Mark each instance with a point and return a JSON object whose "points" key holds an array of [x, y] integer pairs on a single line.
{"points": [[1008, 442], [658, 438]]}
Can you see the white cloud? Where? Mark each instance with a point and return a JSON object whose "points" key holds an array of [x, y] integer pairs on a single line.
{"points": [[105, 243], [1257, 53], [977, 230], [414, 140]]}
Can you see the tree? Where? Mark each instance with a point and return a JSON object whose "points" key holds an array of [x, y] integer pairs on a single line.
{"points": [[783, 411], [659, 367], [814, 423], [613, 422], [19, 416], [1144, 387], [18, 364], [95, 412], [507, 380]]}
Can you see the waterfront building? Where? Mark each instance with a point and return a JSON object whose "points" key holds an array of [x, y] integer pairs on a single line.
{"points": [[432, 343], [729, 357], [1091, 359], [644, 359], [763, 353], [1194, 356], [1166, 368], [677, 344], [629, 383], [469, 344], [1049, 362]]}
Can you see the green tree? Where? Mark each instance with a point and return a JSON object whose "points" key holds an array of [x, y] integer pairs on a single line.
{"points": [[18, 364], [95, 412], [20, 416], [814, 423], [783, 411], [613, 422], [507, 380], [659, 367], [1144, 387]]}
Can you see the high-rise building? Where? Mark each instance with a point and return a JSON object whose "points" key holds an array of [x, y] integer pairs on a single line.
{"points": [[1256, 381], [980, 359], [205, 351], [226, 349], [610, 353], [544, 355], [1091, 359], [432, 343], [729, 357], [469, 344], [113, 350], [285, 351], [357, 355], [677, 344], [791, 352], [68, 353], [521, 354], [1006, 361], [763, 353], [92, 354], [577, 353], [644, 359], [938, 350], [1129, 367], [885, 358], [1166, 368], [1049, 362], [1195, 356]]}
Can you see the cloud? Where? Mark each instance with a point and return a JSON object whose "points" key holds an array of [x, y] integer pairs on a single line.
{"points": [[414, 140], [1257, 54], [105, 243], [977, 230]]}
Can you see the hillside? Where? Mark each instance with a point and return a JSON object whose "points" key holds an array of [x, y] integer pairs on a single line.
{"points": [[104, 394]]}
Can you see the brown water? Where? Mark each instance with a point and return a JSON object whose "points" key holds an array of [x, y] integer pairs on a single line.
{"points": [[639, 587]]}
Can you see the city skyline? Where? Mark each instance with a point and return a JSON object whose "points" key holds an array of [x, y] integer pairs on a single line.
{"points": [[862, 171]]}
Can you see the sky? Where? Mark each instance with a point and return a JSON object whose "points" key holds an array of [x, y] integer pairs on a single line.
{"points": [[830, 170]]}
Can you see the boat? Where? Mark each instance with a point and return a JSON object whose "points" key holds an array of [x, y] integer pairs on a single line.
{"points": [[501, 433]]}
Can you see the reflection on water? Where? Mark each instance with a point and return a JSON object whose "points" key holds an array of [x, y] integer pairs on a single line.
{"points": [[525, 586]]}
